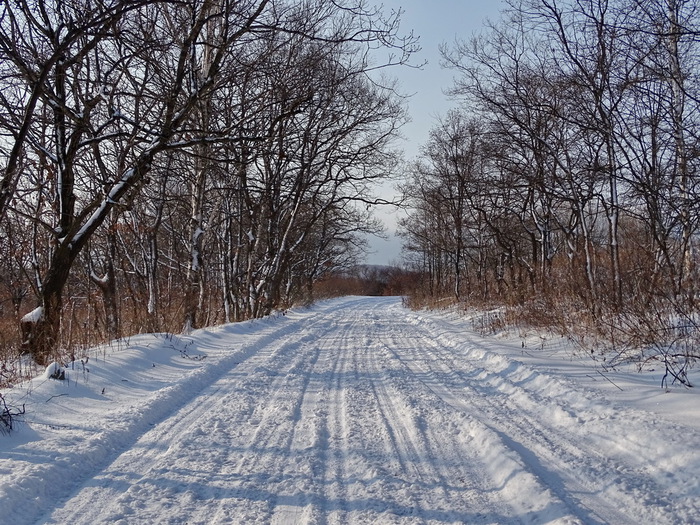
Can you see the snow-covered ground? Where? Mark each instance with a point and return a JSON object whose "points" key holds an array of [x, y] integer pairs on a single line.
{"points": [[352, 411]]}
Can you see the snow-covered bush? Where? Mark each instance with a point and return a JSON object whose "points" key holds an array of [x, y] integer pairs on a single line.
{"points": [[55, 371]]}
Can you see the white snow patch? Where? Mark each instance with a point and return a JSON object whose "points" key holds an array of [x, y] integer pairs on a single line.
{"points": [[53, 371], [34, 316]]}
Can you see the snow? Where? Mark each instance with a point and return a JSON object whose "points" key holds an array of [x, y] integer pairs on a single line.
{"points": [[34, 316], [355, 410], [54, 371]]}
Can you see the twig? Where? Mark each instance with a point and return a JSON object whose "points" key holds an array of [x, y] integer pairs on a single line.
{"points": [[610, 380], [57, 395], [8, 415]]}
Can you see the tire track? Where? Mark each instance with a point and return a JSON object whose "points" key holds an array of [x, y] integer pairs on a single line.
{"points": [[365, 413], [418, 474], [445, 454], [265, 456], [577, 475], [337, 427], [130, 480], [449, 470]]}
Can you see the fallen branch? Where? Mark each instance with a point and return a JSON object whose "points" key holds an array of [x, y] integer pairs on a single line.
{"points": [[8, 416], [57, 395]]}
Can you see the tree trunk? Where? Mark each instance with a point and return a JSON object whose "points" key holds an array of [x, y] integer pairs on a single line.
{"points": [[108, 287], [41, 336]]}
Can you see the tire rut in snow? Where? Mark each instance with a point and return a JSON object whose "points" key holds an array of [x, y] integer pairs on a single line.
{"points": [[391, 465], [504, 395], [146, 473], [432, 442], [333, 506], [359, 414], [510, 474], [449, 461]]}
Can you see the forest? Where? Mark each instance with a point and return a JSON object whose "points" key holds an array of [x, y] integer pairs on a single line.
{"points": [[169, 165], [563, 187]]}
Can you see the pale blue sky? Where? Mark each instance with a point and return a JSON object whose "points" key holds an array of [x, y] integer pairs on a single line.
{"points": [[435, 22]]}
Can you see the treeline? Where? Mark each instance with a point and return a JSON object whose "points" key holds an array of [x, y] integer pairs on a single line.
{"points": [[170, 164], [566, 184], [367, 280]]}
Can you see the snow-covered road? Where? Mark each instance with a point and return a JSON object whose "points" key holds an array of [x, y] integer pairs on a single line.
{"points": [[353, 411]]}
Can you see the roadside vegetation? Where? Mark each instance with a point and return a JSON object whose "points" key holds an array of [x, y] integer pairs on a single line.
{"points": [[563, 188], [168, 165]]}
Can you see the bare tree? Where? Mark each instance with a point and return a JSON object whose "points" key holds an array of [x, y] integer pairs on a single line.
{"points": [[148, 124], [111, 101]]}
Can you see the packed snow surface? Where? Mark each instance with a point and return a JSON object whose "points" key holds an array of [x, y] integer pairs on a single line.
{"points": [[355, 410]]}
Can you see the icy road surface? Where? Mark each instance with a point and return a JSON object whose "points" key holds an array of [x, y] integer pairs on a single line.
{"points": [[353, 411]]}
